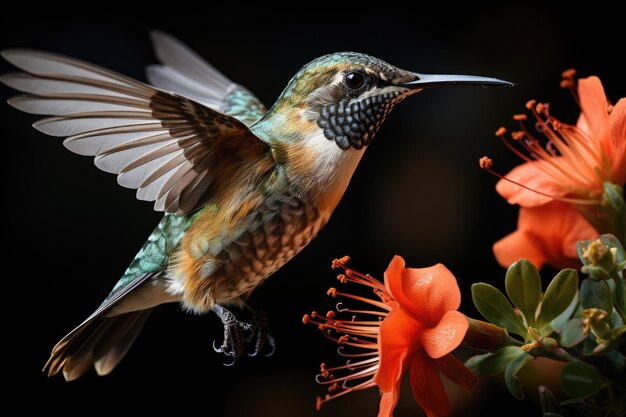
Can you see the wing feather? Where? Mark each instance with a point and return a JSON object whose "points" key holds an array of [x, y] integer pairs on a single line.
{"points": [[97, 142], [33, 84], [169, 79], [59, 106], [76, 124], [179, 57], [186, 73], [173, 150]]}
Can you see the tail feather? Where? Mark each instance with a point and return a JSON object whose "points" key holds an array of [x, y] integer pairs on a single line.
{"points": [[116, 353], [101, 342], [79, 351], [104, 338]]}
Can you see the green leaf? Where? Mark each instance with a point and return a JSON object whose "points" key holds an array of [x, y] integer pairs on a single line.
{"points": [[572, 333], [595, 294], [510, 374], [558, 323], [615, 207], [493, 363], [615, 320], [596, 272], [580, 380], [549, 404], [603, 258], [612, 242], [619, 290], [558, 296], [494, 306], [523, 286]]}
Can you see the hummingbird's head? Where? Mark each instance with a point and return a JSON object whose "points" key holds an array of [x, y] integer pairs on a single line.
{"points": [[329, 113], [348, 95]]}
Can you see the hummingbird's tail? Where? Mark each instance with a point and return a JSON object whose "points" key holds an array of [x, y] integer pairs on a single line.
{"points": [[106, 336], [101, 342]]}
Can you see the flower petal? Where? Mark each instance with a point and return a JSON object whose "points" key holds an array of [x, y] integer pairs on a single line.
{"points": [[388, 400], [427, 387], [393, 276], [426, 293], [532, 176], [456, 372], [594, 110], [397, 341], [516, 245], [442, 339], [618, 142], [546, 234]]}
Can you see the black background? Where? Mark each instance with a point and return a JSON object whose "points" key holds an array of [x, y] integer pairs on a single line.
{"points": [[418, 191]]}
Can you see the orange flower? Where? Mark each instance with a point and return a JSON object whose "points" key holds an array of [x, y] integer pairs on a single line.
{"points": [[415, 325], [562, 182], [545, 234]]}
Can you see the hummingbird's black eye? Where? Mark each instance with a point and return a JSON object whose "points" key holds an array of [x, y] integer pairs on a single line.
{"points": [[355, 80]]}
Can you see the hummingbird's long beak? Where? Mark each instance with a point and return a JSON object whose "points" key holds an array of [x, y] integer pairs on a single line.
{"points": [[442, 80]]}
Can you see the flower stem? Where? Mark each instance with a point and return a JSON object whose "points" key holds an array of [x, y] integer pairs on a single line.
{"points": [[487, 337]]}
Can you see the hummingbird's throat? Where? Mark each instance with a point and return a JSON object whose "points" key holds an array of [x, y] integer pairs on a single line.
{"points": [[354, 122]]}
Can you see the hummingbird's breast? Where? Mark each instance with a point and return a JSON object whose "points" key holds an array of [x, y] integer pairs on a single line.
{"points": [[237, 243], [219, 262]]}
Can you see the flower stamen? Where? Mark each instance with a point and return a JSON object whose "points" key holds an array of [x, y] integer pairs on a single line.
{"points": [[486, 163], [570, 160], [351, 333]]}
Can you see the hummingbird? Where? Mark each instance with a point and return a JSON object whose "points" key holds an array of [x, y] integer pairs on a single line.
{"points": [[243, 189]]}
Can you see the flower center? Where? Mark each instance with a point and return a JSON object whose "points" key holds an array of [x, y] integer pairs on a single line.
{"points": [[568, 156]]}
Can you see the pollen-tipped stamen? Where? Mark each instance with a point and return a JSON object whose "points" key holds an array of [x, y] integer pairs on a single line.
{"points": [[486, 164], [351, 334], [572, 148], [368, 368], [544, 158], [571, 160], [501, 133], [382, 314], [363, 385], [378, 304]]}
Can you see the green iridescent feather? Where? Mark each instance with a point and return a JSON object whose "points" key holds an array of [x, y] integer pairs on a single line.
{"points": [[155, 253], [243, 105]]}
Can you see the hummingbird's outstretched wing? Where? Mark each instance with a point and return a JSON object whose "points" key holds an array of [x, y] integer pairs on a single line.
{"points": [[185, 73], [171, 149]]}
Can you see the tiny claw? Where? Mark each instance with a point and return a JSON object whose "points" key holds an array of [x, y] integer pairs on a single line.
{"points": [[232, 346], [217, 349], [238, 334], [272, 344], [231, 363]]}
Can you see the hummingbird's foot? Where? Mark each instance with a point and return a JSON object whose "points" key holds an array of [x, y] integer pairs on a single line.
{"points": [[233, 344], [261, 335]]}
